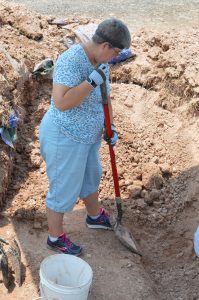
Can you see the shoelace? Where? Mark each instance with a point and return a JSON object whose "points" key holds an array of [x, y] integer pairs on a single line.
{"points": [[104, 213], [67, 241]]}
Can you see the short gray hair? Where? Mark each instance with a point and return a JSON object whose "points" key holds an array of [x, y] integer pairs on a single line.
{"points": [[113, 31]]}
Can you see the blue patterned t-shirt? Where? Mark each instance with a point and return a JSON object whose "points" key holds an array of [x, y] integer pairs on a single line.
{"points": [[83, 123]]}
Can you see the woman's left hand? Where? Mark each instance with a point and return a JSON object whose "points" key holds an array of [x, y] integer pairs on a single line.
{"points": [[113, 140]]}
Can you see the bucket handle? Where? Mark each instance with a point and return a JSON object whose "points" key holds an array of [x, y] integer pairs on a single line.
{"points": [[90, 293], [42, 297]]}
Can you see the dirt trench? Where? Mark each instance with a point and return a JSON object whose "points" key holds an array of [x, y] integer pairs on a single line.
{"points": [[155, 101]]}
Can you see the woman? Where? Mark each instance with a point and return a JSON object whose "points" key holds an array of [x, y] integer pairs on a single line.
{"points": [[71, 131]]}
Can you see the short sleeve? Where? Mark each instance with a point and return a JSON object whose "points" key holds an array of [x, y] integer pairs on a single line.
{"points": [[66, 70]]}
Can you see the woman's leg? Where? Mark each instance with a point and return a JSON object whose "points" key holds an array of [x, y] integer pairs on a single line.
{"points": [[92, 204], [63, 182], [55, 222], [97, 217], [92, 176]]}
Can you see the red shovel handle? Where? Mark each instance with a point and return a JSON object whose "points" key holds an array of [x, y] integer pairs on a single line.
{"points": [[111, 150], [112, 153]]}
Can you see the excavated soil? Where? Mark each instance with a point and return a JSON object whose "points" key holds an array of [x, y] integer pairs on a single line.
{"points": [[155, 99]]}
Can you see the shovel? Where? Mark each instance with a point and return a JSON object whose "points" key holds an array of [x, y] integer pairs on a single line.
{"points": [[121, 232]]}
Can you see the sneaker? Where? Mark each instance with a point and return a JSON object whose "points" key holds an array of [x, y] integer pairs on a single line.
{"points": [[103, 221], [64, 245]]}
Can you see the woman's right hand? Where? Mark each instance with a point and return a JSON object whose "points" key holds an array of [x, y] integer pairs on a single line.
{"points": [[97, 77]]}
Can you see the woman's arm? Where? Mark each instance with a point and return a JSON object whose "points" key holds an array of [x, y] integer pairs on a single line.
{"points": [[66, 98]]}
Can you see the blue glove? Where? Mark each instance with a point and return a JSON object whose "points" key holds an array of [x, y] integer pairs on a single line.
{"points": [[122, 56], [98, 76], [113, 140], [13, 120]]}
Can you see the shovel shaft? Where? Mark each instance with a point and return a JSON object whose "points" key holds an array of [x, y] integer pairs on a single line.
{"points": [[113, 163], [120, 231], [111, 151]]}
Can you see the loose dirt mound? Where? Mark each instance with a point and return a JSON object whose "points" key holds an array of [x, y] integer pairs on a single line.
{"points": [[166, 62], [26, 40], [155, 98]]}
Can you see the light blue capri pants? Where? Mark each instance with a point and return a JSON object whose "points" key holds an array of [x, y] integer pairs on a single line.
{"points": [[73, 169]]}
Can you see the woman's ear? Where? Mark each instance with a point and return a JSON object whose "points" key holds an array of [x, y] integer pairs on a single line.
{"points": [[105, 45]]}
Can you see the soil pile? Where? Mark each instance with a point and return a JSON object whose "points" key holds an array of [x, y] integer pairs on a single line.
{"points": [[26, 40], [158, 93], [163, 73]]}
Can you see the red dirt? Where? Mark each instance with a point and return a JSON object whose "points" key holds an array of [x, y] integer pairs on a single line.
{"points": [[155, 100]]}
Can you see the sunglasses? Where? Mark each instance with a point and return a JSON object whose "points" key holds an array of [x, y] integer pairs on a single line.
{"points": [[117, 50]]}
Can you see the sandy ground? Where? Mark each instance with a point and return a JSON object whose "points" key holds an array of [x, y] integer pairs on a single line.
{"points": [[111, 280], [154, 14], [155, 98]]}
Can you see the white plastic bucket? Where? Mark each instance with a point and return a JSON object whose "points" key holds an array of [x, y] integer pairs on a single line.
{"points": [[65, 277]]}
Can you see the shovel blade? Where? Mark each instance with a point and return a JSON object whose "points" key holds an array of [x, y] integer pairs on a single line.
{"points": [[125, 237]]}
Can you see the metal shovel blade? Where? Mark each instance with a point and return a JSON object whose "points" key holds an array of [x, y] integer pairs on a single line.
{"points": [[125, 237]]}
